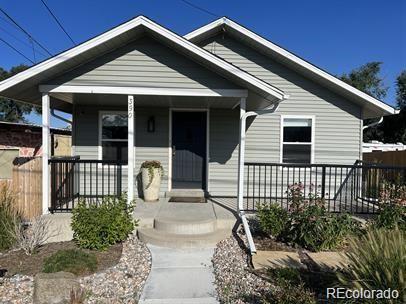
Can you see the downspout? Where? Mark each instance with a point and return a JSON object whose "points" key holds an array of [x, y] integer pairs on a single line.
{"points": [[241, 161], [374, 124]]}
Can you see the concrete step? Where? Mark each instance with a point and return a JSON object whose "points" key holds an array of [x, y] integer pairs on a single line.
{"points": [[185, 193], [191, 227], [171, 240]]}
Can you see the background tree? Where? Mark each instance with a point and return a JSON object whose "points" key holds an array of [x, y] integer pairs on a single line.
{"points": [[394, 126], [367, 79], [13, 111]]}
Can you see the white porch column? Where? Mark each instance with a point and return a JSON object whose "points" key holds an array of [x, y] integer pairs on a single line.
{"points": [[45, 153], [131, 150], [241, 155]]}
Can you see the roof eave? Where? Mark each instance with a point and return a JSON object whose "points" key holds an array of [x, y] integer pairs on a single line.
{"points": [[205, 56], [215, 26]]}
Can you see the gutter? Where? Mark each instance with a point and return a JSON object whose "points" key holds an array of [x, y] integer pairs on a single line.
{"points": [[241, 161], [60, 117]]}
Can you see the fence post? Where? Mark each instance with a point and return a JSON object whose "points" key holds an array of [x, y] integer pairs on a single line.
{"points": [[323, 181]]}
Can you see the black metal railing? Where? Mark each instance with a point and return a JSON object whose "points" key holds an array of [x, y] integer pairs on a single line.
{"points": [[74, 179], [345, 188]]}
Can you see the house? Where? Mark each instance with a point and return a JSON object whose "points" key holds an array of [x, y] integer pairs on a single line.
{"points": [[141, 92], [25, 140]]}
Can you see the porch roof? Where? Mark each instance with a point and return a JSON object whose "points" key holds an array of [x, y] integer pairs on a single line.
{"points": [[28, 85]]}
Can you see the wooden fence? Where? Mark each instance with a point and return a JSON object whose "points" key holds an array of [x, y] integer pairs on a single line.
{"points": [[26, 184], [390, 158]]}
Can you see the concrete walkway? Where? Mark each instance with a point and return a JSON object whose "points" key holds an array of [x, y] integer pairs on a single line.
{"points": [[180, 276]]}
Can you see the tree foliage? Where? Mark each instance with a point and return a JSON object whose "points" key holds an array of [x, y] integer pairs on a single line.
{"points": [[367, 79], [10, 110]]}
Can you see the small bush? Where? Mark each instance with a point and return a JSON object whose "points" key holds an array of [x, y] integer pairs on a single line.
{"points": [[315, 229], [8, 217], [391, 216], [30, 237], [392, 213], [98, 226], [377, 261], [272, 219], [75, 261]]}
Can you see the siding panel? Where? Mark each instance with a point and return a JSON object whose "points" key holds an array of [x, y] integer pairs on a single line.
{"points": [[337, 121], [145, 63], [149, 146]]}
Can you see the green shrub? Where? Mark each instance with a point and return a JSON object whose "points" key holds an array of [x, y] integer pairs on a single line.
{"points": [[377, 260], [97, 226], [75, 261], [272, 219], [391, 216], [8, 217], [315, 229]]}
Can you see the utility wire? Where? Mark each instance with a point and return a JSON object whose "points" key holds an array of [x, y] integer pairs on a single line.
{"points": [[12, 47], [57, 21], [19, 40], [25, 32], [200, 8]]}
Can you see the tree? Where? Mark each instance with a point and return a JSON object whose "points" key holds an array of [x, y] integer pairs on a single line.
{"points": [[367, 79], [394, 126], [11, 110], [401, 90]]}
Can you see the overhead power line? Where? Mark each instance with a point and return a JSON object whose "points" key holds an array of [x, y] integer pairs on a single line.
{"points": [[20, 40], [200, 8], [12, 47], [25, 32], [57, 21]]}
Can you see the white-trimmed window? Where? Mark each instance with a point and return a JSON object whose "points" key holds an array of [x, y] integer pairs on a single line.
{"points": [[297, 139], [114, 136]]}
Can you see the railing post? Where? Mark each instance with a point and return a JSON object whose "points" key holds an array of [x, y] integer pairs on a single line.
{"points": [[323, 181], [119, 179]]}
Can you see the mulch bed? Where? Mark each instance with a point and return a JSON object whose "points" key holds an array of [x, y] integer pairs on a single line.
{"points": [[263, 242], [17, 262]]}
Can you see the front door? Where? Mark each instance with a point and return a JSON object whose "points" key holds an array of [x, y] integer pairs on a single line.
{"points": [[189, 150]]}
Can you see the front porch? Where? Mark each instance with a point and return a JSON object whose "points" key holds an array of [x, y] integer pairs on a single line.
{"points": [[344, 188]]}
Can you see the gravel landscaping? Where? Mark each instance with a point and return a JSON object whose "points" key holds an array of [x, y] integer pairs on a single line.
{"points": [[235, 282], [121, 283]]}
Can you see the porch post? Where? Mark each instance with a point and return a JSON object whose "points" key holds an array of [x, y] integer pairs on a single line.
{"points": [[45, 153], [131, 150], [241, 155]]}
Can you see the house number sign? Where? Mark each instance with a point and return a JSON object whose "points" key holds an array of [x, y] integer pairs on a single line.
{"points": [[130, 106]]}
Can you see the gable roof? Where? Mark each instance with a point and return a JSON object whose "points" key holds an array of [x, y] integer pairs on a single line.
{"points": [[24, 86], [372, 106]]}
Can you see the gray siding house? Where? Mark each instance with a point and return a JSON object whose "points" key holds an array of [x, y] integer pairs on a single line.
{"points": [[202, 105]]}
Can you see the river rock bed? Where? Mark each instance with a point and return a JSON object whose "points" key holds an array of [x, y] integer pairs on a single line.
{"points": [[121, 283], [235, 283]]}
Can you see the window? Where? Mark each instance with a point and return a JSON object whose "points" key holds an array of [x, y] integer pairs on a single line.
{"points": [[114, 136], [297, 140]]}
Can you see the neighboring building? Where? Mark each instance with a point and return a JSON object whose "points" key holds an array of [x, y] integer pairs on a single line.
{"points": [[141, 92], [375, 145], [25, 140]]}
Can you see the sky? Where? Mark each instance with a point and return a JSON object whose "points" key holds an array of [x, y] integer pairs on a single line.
{"points": [[336, 35]]}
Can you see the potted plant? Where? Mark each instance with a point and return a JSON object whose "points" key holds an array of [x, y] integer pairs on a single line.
{"points": [[151, 173]]}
